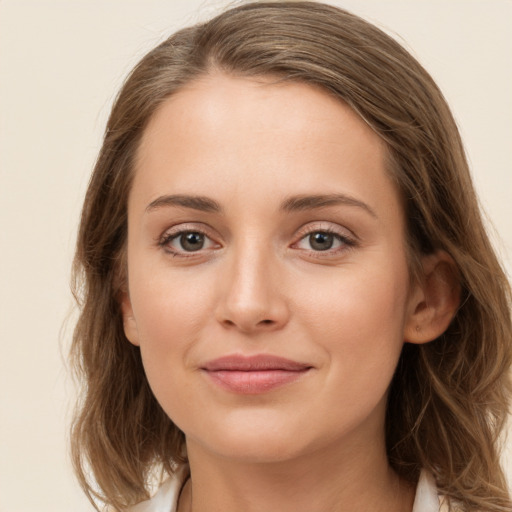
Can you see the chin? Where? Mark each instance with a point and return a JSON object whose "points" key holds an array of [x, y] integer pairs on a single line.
{"points": [[254, 440], [257, 449]]}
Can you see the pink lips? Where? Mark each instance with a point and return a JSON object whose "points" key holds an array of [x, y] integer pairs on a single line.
{"points": [[253, 374]]}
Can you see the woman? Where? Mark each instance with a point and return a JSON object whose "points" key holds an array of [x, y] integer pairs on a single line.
{"points": [[289, 300]]}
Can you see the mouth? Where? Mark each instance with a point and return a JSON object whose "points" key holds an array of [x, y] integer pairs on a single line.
{"points": [[254, 374]]}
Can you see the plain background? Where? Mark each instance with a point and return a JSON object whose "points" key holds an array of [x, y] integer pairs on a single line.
{"points": [[61, 64]]}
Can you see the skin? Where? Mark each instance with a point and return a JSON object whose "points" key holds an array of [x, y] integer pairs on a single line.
{"points": [[259, 286]]}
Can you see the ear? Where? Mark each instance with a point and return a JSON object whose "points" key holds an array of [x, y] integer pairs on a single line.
{"points": [[433, 300], [129, 323]]}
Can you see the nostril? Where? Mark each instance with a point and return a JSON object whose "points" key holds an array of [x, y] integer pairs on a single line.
{"points": [[266, 322]]}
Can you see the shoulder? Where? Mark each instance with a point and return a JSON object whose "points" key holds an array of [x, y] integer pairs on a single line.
{"points": [[166, 498]]}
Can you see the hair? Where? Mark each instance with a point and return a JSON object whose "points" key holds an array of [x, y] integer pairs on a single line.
{"points": [[448, 400]]}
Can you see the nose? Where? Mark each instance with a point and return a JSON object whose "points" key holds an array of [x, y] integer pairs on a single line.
{"points": [[253, 297]]}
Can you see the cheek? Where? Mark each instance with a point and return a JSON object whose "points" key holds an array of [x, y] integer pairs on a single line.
{"points": [[360, 299], [358, 319], [170, 315], [170, 312]]}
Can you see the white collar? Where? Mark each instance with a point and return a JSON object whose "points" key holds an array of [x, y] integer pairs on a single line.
{"points": [[427, 499], [166, 498]]}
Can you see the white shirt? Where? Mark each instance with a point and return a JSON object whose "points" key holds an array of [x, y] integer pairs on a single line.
{"points": [[166, 498]]}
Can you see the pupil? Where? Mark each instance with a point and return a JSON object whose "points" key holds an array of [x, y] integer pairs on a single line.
{"points": [[321, 241], [192, 241]]}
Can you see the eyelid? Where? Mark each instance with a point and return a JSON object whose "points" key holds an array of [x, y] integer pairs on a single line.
{"points": [[328, 227]]}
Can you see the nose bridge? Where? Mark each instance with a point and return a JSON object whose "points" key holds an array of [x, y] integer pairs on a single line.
{"points": [[252, 298]]}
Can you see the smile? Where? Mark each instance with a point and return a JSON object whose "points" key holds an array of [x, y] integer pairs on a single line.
{"points": [[254, 374]]}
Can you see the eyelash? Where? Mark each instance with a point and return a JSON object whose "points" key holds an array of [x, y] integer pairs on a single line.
{"points": [[346, 242]]}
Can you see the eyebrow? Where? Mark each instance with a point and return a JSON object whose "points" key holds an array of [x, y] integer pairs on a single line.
{"points": [[201, 203], [292, 204], [307, 202]]}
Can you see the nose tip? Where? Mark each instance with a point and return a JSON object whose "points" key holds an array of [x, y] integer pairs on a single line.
{"points": [[252, 300]]}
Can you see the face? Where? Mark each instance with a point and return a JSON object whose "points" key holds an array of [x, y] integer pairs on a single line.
{"points": [[268, 282]]}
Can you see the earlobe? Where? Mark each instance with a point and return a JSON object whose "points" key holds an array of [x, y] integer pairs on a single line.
{"points": [[129, 324], [434, 300]]}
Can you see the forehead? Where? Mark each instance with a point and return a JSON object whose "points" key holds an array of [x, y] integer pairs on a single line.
{"points": [[253, 136], [263, 103]]}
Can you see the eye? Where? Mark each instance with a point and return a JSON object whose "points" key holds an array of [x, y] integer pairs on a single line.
{"points": [[324, 240], [321, 241], [186, 242], [192, 241]]}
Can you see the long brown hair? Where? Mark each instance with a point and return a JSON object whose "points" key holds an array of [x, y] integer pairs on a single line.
{"points": [[448, 399]]}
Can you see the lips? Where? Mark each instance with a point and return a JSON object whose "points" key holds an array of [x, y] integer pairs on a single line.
{"points": [[253, 374]]}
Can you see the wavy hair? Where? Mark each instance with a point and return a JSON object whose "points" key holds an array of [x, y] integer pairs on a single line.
{"points": [[448, 400]]}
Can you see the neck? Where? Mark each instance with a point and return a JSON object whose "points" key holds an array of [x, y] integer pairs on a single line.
{"points": [[336, 480]]}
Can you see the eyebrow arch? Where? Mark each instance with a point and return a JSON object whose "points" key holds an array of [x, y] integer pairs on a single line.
{"points": [[306, 202], [201, 203]]}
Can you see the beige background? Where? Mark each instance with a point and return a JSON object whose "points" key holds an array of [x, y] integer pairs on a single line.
{"points": [[61, 63]]}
